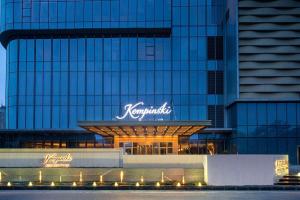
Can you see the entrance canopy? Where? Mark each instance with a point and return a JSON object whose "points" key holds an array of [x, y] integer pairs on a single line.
{"points": [[144, 128]]}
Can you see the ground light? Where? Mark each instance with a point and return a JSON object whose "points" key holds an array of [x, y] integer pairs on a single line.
{"points": [[199, 184], [298, 174], [137, 184], [9, 184], [30, 184], [121, 176], [94, 184], [40, 176], [52, 184], [80, 177], [157, 184], [74, 184], [178, 184], [116, 184]]}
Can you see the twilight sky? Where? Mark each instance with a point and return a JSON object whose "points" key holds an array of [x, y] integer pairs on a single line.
{"points": [[2, 75]]}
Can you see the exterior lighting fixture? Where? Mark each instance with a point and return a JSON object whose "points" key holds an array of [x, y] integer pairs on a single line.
{"points": [[178, 184], [199, 184], [142, 179], [0, 176], [74, 184], [101, 179], [298, 174], [162, 177], [157, 184], [137, 184], [116, 184], [80, 177], [40, 176], [52, 184], [30, 184], [121, 176], [94, 184], [8, 184], [60, 179], [183, 180]]}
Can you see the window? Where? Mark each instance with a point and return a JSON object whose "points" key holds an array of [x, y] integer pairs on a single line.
{"points": [[215, 82], [215, 48], [216, 114], [298, 154]]}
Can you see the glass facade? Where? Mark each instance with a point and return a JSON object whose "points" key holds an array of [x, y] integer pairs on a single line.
{"points": [[266, 128], [84, 60], [70, 14], [55, 82], [2, 117]]}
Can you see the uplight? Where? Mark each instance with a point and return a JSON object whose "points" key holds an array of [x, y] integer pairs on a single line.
{"points": [[30, 184], [52, 184], [9, 184], [157, 184], [178, 184], [74, 184], [137, 184], [94, 184], [80, 177], [142, 179], [116, 184], [40, 176], [298, 174], [121, 176], [199, 184]]}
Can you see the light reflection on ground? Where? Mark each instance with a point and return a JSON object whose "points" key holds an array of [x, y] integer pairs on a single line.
{"points": [[149, 195]]}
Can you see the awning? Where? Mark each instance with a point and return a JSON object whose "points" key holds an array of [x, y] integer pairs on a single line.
{"points": [[144, 128]]}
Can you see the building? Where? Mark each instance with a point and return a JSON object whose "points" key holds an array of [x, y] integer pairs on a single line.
{"points": [[153, 77], [2, 117]]}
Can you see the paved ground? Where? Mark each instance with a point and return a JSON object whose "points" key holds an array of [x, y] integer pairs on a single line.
{"points": [[149, 195]]}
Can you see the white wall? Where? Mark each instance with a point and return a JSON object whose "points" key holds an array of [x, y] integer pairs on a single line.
{"points": [[241, 169], [81, 157], [163, 161], [218, 169]]}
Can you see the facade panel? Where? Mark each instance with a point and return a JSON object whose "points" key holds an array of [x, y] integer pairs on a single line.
{"points": [[269, 49]]}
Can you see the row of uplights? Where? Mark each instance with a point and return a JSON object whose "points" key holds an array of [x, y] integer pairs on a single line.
{"points": [[101, 181], [74, 184]]}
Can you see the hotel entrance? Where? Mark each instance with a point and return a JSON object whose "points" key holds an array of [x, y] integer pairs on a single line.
{"points": [[146, 137], [133, 148]]}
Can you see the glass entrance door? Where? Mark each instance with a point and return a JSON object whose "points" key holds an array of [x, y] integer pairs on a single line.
{"points": [[132, 148]]}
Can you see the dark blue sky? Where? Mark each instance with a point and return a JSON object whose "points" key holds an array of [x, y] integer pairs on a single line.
{"points": [[2, 75]]}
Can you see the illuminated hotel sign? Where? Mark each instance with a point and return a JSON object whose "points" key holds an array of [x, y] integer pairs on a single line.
{"points": [[281, 167], [136, 111], [55, 160]]}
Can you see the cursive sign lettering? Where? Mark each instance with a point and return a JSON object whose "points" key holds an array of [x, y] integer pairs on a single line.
{"points": [[136, 112], [55, 160]]}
